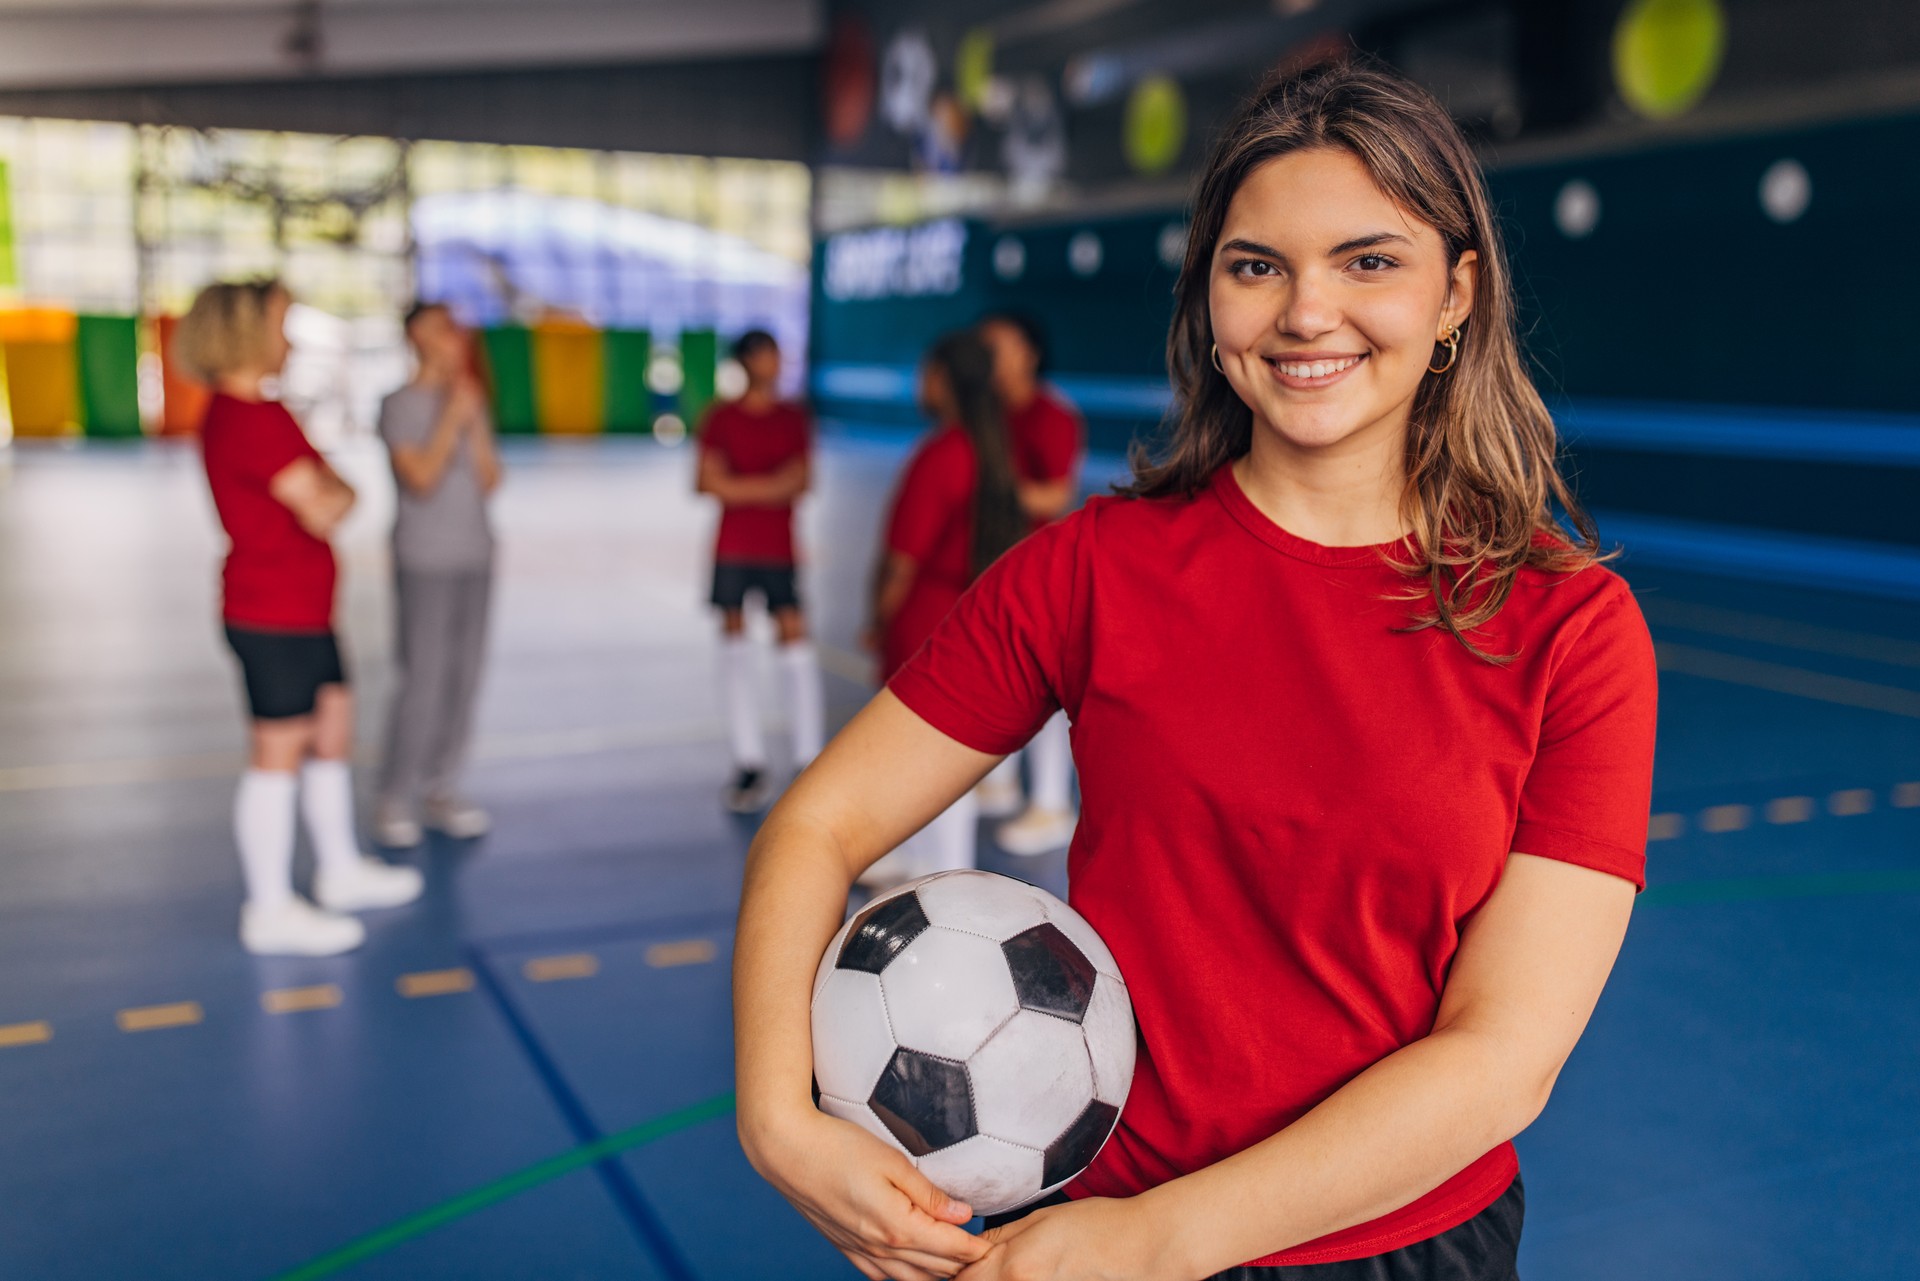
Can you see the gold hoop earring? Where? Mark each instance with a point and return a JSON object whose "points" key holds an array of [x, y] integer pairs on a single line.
{"points": [[1451, 341], [1216, 358]]}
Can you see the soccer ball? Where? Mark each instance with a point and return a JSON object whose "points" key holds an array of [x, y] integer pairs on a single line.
{"points": [[978, 1025]]}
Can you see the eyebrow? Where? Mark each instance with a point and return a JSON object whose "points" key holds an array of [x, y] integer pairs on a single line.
{"points": [[1367, 241]]}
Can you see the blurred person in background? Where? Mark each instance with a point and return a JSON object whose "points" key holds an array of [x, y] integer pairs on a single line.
{"points": [[956, 510], [1049, 442], [439, 433], [755, 458], [279, 503]]}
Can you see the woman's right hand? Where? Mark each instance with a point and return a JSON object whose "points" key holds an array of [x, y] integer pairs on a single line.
{"points": [[866, 1198]]}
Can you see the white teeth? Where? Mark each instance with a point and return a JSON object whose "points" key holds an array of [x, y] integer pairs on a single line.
{"points": [[1318, 368]]}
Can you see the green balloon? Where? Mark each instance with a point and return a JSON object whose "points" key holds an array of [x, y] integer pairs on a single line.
{"points": [[1666, 54], [1156, 124]]}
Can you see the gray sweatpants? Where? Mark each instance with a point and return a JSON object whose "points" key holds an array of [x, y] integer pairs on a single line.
{"points": [[441, 647]]}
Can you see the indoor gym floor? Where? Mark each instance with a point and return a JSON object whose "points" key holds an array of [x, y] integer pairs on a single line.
{"points": [[526, 1074]]}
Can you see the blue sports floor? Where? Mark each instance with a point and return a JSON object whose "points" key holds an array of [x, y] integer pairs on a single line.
{"points": [[525, 1075]]}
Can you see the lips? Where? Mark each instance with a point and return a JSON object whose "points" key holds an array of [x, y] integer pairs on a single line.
{"points": [[1313, 369]]}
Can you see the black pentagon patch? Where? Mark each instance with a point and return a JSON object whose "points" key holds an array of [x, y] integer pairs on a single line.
{"points": [[1049, 972], [1074, 1151], [880, 933], [926, 1102]]}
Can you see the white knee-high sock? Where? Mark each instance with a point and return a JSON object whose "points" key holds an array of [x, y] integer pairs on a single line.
{"points": [[1050, 761], [737, 703], [806, 700], [263, 829], [326, 801]]}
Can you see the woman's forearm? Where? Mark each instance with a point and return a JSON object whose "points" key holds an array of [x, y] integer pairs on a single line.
{"points": [[1387, 1137], [794, 899]]}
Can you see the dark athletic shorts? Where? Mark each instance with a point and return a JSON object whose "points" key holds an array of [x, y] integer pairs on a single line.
{"points": [[733, 580], [284, 670], [1484, 1248]]}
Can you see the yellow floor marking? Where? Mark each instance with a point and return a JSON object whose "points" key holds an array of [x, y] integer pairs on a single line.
{"points": [[1906, 796], [435, 982], [1780, 678], [1855, 800], [662, 956], [1789, 809], [148, 1018], [25, 1033], [292, 1000], [1726, 818], [576, 965]]}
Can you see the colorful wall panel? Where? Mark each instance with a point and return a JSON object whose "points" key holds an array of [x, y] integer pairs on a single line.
{"points": [[569, 378], [42, 385], [627, 354]]}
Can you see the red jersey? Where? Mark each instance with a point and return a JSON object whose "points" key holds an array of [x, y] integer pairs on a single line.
{"points": [[1290, 809], [1048, 439], [931, 523], [755, 444], [278, 577]]}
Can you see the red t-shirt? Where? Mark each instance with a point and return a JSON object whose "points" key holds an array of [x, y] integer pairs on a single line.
{"points": [[1048, 438], [278, 577], [931, 522], [1290, 809], [755, 444]]}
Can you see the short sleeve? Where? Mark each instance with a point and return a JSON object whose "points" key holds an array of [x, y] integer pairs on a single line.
{"points": [[1055, 443], [1588, 792], [932, 490], [713, 432], [403, 422], [996, 667], [272, 444]]}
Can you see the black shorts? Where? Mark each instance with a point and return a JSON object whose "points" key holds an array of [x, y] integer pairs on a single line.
{"points": [[1484, 1248], [732, 581], [285, 670]]}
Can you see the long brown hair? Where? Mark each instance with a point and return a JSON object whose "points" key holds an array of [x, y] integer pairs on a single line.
{"points": [[998, 521], [1482, 480]]}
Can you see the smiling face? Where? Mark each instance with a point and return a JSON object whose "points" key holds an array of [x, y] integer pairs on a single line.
{"points": [[1326, 300]]}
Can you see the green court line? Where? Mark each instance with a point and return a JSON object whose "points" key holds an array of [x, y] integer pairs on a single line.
{"points": [[509, 1186], [1748, 888]]}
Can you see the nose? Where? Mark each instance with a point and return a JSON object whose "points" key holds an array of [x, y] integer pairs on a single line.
{"points": [[1309, 309]]}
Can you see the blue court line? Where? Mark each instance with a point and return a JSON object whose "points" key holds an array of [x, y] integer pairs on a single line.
{"points": [[1799, 435], [614, 1175], [1802, 560]]}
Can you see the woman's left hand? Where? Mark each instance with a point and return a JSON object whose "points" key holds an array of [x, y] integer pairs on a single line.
{"points": [[1096, 1239]]}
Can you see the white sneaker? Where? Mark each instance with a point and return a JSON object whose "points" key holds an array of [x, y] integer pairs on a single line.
{"points": [[395, 827], [458, 817], [297, 928], [1036, 832], [999, 797], [365, 884]]}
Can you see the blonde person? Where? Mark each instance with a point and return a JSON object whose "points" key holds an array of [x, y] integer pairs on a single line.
{"points": [[1365, 740], [439, 435], [279, 503]]}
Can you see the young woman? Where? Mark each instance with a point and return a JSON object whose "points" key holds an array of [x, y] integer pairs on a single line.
{"points": [[279, 503], [439, 435], [956, 511], [754, 458], [1365, 744]]}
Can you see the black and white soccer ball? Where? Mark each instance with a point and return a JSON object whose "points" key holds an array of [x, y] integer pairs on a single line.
{"points": [[978, 1025]]}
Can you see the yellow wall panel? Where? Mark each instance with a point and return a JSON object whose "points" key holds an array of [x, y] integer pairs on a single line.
{"points": [[42, 377], [569, 378]]}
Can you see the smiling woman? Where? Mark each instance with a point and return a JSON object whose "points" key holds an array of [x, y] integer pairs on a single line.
{"points": [[1365, 884], [1341, 241]]}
